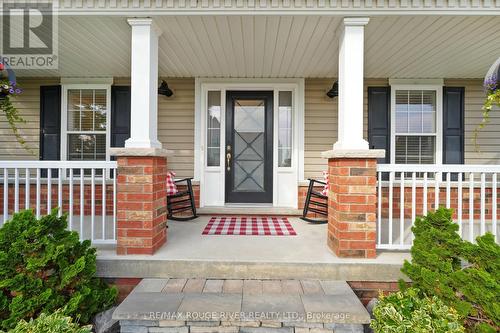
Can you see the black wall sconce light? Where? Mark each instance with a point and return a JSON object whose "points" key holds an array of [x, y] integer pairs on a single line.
{"points": [[334, 90], [164, 89]]}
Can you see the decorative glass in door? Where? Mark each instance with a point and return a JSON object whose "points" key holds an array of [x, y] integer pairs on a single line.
{"points": [[249, 145]]}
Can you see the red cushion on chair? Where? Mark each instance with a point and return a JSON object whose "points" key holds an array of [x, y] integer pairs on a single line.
{"points": [[325, 189], [171, 187]]}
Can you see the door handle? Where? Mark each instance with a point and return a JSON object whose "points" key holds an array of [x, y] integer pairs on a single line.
{"points": [[228, 158]]}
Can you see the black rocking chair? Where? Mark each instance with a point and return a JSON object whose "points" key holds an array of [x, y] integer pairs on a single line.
{"points": [[319, 205], [182, 201]]}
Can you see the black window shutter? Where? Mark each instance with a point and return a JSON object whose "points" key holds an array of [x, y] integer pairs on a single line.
{"points": [[379, 120], [50, 123], [120, 115], [453, 125]]}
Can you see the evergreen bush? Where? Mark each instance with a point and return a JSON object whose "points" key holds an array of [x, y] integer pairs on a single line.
{"points": [[408, 312], [463, 275], [44, 267], [53, 323]]}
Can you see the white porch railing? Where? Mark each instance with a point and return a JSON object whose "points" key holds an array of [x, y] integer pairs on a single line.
{"points": [[405, 191], [85, 190]]}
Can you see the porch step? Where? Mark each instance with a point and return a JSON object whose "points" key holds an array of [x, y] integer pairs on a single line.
{"points": [[253, 306], [249, 210]]}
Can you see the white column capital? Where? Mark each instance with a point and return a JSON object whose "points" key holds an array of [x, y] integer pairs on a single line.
{"points": [[356, 21], [145, 21]]}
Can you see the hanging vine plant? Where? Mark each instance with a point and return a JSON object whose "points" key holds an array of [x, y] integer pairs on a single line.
{"points": [[9, 89], [492, 89]]}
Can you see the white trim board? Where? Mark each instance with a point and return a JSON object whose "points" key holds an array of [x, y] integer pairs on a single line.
{"points": [[285, 180]]}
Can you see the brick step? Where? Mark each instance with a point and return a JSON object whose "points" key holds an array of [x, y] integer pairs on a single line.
{"points": [[211, 305]]}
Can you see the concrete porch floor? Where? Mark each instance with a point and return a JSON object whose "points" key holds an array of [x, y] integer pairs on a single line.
{"points": [[189, 254]]}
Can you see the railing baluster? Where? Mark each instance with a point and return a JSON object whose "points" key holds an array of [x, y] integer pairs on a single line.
{"points": [[59, 192], [413, 201], [38, 190], [402, 209], [5, 195], [494, 189], [448, 189], [16, 190], [82, 206], [70, 199], [114, 203], [92, 203], [459, 204], [483, 203], [27, 189], [391, 184], [103, 204], [424, 191], [49, 190], [437, 176], [471, 206], [379, 209]]}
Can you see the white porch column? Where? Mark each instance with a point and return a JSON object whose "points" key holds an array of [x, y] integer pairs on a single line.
{"points": [[144, 84], [351, 57]]}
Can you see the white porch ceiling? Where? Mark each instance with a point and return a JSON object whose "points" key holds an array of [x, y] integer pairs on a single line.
{"points": [[281, 46]]}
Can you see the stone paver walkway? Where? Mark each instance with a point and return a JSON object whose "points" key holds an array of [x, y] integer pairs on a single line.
{"points": [[210, 305]]}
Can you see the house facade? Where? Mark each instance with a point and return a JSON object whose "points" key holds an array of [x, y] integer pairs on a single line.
{"points": [[250, 118]]}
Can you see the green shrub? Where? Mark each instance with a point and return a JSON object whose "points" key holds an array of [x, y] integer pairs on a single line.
{"points": [[463, 275], [54, 323], [44, 267], [408, 312]]}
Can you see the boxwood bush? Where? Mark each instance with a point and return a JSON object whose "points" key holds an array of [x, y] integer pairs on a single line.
{"points": [[45, 267], [407, 311], [53, 323], [463, 275]]}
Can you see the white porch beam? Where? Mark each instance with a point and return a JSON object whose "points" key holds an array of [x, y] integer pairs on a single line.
{"points": [[351, 61], [144, 84]]}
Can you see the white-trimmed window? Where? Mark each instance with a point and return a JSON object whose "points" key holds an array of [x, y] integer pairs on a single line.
{"points": [[416, 130], [285, 126], [86, 122], [213, 127]]}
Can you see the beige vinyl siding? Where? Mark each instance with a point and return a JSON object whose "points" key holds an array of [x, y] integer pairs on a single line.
{"points": [[176, 125], [320, 129], [28, 105], [487, 150], [321, 122]]}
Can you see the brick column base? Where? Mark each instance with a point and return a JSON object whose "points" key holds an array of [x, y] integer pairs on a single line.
{"points": [[352, 205], [141, 201]]}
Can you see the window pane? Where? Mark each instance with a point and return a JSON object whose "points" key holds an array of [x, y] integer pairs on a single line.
{"points": [[84, 147], [415, 149], [415, 111], [87, 109], [87, 112], [285, 122], [213, 128]]}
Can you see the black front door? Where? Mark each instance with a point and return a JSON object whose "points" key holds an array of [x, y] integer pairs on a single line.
{"points": [[249, 146]]}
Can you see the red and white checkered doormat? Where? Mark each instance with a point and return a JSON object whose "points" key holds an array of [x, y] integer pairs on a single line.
{"points": [[250, 226]]}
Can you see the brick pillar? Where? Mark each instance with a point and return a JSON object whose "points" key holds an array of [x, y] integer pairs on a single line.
{"points": [[352, 202], [141, 200]]}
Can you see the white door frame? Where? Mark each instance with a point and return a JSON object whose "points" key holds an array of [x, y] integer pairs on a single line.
{"points": [[285, 180]]}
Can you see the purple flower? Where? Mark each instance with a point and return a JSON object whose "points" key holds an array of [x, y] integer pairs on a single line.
{"points": [[12, 83], [11, 90], [490, 83], [18, 91]]}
